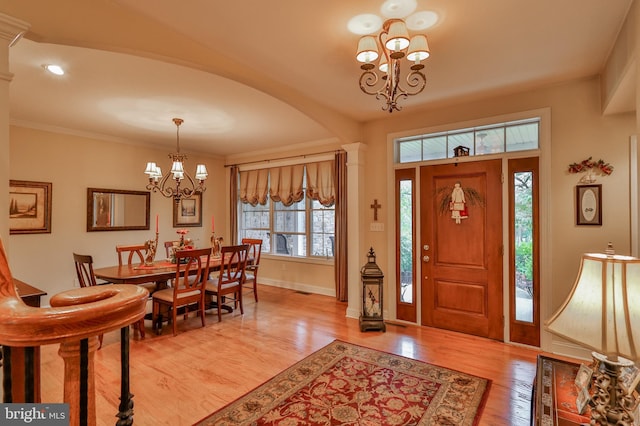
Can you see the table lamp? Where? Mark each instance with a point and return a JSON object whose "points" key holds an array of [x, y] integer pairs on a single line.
{"points": [[602, 313]]}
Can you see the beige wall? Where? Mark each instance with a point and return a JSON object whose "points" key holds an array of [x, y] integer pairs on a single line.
{"points": [[75, 163], [316, 276], [72, 164], [578, 131]]}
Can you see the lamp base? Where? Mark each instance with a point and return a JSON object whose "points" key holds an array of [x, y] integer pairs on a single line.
{"points": [[610, 402]]}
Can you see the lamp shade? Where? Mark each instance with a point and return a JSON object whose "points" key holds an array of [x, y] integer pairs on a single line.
{"points": [[397, 37], [201, 172], [602, 311], [151, 169], [367, 49], [177, 170], [383, 65], [418, 48]]}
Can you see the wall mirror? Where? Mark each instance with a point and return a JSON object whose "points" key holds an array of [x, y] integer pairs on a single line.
{"points": [[117, 209]]}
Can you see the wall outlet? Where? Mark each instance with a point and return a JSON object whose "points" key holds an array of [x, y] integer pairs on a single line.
{"points": [[376, 227]]}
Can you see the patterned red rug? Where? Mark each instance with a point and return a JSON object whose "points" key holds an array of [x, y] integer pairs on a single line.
{"points": [[346, 384]]}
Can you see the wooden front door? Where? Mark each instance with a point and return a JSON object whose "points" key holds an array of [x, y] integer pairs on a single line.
{"points": [[461, 247]]}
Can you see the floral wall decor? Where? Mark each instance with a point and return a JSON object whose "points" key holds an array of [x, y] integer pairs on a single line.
{"points": [[591, 168]]}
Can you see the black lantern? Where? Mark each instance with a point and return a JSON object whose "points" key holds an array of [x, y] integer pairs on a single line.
{"points": [[371, 318]]}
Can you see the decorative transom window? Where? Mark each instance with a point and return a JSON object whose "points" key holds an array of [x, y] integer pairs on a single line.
{"points": [[520, 135]]}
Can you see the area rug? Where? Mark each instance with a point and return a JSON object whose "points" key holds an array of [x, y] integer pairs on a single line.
{"points": [[347, 384]]}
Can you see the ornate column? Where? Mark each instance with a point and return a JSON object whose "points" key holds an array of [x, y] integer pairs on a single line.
{"points": [[11, 30]]}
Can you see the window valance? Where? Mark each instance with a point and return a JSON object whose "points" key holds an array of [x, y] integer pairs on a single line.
{"points": [[285, 183]]}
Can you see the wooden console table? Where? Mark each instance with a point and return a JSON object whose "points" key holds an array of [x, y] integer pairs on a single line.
{"points": [[555, 393], [29, 294]]}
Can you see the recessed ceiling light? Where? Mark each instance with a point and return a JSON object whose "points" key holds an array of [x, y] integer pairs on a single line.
{"points": [[54, 69]]}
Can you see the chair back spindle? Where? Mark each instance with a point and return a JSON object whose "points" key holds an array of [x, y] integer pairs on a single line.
{"points": [[84, 270]]}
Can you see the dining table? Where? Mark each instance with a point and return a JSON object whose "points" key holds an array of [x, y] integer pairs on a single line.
{"points": [[160, 272]]}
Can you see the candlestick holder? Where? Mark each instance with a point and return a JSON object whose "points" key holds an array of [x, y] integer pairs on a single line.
{"points": [[216, 243], [151, 246]]}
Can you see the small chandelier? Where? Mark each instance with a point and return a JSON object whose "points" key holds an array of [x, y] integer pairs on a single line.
{"points": [[395, 43], [184, 188]]}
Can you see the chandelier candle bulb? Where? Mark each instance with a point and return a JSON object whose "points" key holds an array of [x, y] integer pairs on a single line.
{"points": [[213, 228]]}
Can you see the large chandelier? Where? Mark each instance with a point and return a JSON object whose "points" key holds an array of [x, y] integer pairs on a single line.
{"points": [[185, 186], [395, 44]]}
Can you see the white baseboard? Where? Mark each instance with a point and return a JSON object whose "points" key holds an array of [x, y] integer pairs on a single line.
{"points": [[299, 287], [562, 347]]}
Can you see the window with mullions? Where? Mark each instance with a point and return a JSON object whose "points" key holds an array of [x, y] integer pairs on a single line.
{"points": [[304, 229], [513, 136]]}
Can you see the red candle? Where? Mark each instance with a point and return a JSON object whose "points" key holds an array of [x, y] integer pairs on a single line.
{"points": [[156, 224], [213, 228]]}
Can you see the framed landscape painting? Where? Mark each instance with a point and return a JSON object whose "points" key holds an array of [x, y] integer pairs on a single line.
{"points": [[188, 212], [29, 207]]}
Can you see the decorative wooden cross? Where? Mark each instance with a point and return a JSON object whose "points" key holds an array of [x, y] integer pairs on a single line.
{"points": [[375, 206]]}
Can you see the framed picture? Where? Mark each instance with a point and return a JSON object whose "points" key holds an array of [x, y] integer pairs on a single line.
{"points": [[582, 400], [583, 378], [29, 207], [629, 378], [589, 205], [188, 212]]}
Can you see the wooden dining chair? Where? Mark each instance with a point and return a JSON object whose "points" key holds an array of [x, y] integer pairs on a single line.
{"points": [[168, 245], [251, 270], [86, 278], [188, 287], [230, 277], [131, 252], [134, 254]]}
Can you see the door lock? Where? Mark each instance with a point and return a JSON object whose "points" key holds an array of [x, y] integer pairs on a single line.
{"points": [[425, 247], [425, 258]]}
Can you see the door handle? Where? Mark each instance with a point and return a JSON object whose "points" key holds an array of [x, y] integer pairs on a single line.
{"points": [[425, 258]]}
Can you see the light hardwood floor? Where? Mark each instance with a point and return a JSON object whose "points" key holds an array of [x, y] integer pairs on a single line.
{"points": [[179, 380]]}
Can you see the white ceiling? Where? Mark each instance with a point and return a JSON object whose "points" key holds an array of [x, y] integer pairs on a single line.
{"points": [[252, 75]]}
